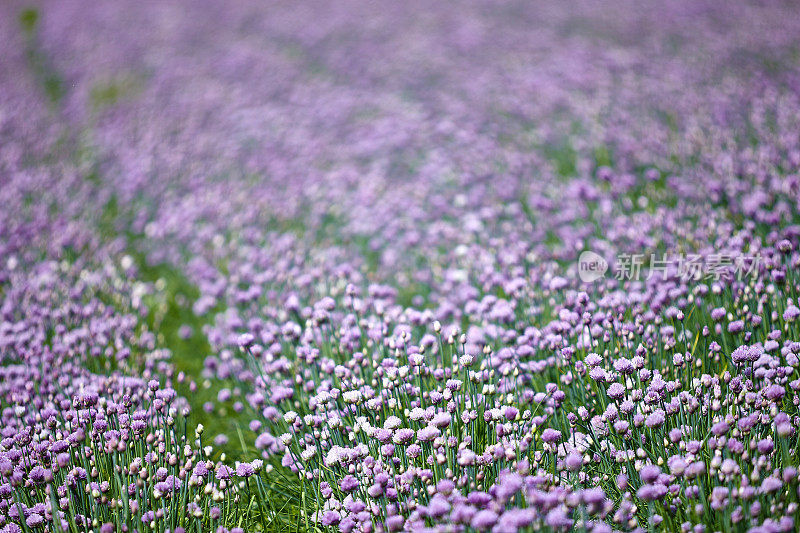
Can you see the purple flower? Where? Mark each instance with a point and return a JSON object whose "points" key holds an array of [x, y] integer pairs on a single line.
{"points": [[720, 428], [331, 518], [200, 469], [224, 472], [621, 426], [557, 519], [765, 446], [395, 523], [655, 419], [573, 462], [34, 520], [403, 436], [616, 391], [39, 475], [592, 360], [551, 436], [650, 473], [737, 326], [428, 433], [774, 393], [593, 496], [677, 465], [484, 520], [245, 470], [479, 498], [349, 483], [246, 340], [441, 420], [652, 492], [744, 354], [624, 366], [695, 469], [771, 484], [438, 507]]}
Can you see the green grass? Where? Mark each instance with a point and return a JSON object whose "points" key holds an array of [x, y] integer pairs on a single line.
{"points": [[48, 77], [107, 92]]}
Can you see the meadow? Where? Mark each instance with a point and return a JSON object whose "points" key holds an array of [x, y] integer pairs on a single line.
{"points": [[379, 267]]}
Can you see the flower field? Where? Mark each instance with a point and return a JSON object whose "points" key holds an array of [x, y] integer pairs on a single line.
{"points": [[411, 266]]}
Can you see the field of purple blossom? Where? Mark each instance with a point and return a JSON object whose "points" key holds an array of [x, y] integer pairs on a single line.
{"points": [[486, 266]]}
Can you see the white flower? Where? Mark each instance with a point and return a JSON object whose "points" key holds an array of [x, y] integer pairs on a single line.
{"points": [[392, 422], [335, 455], [308, 453], [417, 414], [352, 396]]}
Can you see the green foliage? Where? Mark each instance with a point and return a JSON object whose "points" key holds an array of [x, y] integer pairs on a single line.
{"points": [[29, 20]]}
